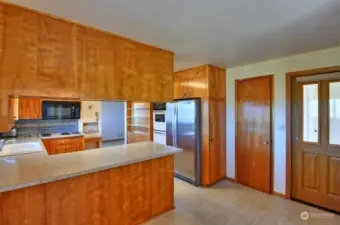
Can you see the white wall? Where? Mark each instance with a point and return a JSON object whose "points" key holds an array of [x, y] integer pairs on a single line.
{"points": [[88, 113], [113, 120], [278, 67]]}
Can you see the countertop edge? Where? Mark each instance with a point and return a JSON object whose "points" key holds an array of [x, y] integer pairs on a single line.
{"points": [[80, 173]]}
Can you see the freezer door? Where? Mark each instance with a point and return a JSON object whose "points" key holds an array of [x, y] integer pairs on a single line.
{"points": [[186, 128], [170, 124]]}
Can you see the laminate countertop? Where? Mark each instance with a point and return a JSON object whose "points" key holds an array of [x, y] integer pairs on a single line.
{"points": [[37, 168]]}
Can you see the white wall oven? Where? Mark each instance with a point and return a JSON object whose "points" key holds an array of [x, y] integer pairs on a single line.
{"points": [[159, 126]]}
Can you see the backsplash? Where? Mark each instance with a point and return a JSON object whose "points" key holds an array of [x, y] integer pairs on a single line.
{"points": [[35, 127]]}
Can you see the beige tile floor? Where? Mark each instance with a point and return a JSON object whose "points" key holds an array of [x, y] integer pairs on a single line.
{"points": [[228, 203]]}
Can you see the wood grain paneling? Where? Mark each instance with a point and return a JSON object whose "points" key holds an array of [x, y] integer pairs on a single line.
{"points": [[205, 146], [333, 177], [191, 83], [92, 142], [24, 206], [208, 83], [126, 195], [20, 47], [59, 58], [310, 174], [217, 141], [95, 64], [253, 141], [30, 108], [217, 82], [62, 59], [63, 145], [55, 59]]}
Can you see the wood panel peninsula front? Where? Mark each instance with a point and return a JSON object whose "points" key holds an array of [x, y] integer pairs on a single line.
{"points": [[122, 185]]}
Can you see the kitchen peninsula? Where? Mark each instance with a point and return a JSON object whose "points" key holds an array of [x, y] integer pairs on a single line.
{"points": [[125, 184]]}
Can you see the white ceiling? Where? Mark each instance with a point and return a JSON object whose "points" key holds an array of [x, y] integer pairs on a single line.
{"points": [[226, 33]]}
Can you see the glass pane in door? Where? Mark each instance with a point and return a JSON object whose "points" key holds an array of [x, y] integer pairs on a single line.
{"points": [[310, 113], [334, 113]]}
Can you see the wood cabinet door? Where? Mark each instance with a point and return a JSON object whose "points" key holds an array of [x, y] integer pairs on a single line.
{"points": [[178, 92], [59, 149], [55, 65], [191, 83], [197, 87], [95, 65], [30, 108], [217, 143], [11, 115]]}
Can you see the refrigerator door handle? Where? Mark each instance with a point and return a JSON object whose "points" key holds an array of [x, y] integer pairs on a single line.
{"points": [[176, 120], [173, 127]]}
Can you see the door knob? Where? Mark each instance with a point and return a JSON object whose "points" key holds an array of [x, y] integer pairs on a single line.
{"points": [[266, 142]]}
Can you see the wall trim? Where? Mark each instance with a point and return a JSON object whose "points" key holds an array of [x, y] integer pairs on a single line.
{"points": [[230, 179], [279, 195]]}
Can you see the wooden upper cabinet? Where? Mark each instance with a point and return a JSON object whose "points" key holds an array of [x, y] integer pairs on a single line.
{"points": [[56, 71], [30, 108], [96, 64], [19, 58], [217, 82], [191, 83], [45, 56], [37, 57]]}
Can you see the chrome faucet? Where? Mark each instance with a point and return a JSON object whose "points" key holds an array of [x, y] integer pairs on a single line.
{"points": [[2, 143]]}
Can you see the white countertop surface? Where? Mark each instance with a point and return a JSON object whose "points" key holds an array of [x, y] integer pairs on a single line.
{"points": [[37, 168]]}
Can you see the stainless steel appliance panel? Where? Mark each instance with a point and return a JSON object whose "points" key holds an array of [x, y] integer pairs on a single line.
{"points": [[185, 163], [170, 123], [184, 131]]}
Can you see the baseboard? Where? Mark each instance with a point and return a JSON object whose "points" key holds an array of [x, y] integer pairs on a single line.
{"points": [[279, 195], [230, 179], [213, 183]]}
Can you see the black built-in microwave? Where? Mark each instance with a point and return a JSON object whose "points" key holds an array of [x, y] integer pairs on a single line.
{"points": [[53, 110], [159, 106]]}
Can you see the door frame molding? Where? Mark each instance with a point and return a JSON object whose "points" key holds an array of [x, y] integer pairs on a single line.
{"points": [[272, 96], [289, 77]]}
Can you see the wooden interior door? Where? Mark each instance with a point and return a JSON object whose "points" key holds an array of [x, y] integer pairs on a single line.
{"points": [[316, 142], [254, 101]]}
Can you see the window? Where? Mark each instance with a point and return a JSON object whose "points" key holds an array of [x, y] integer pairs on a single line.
{"points": [[311, 113], [334, 113]]}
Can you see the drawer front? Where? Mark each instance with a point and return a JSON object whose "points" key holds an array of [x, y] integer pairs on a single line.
{"points": [[65, 145], [63, 141], [59, 149]]}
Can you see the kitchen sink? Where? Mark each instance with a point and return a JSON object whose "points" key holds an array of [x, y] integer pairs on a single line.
{"points": [[22, 148]]}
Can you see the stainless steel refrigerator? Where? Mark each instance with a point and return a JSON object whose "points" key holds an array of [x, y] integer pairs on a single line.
{"points": [[183, 130]]}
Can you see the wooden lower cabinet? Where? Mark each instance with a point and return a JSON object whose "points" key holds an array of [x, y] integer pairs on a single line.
{"points": [[92, 142], [126, 195], [63, 145]]}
